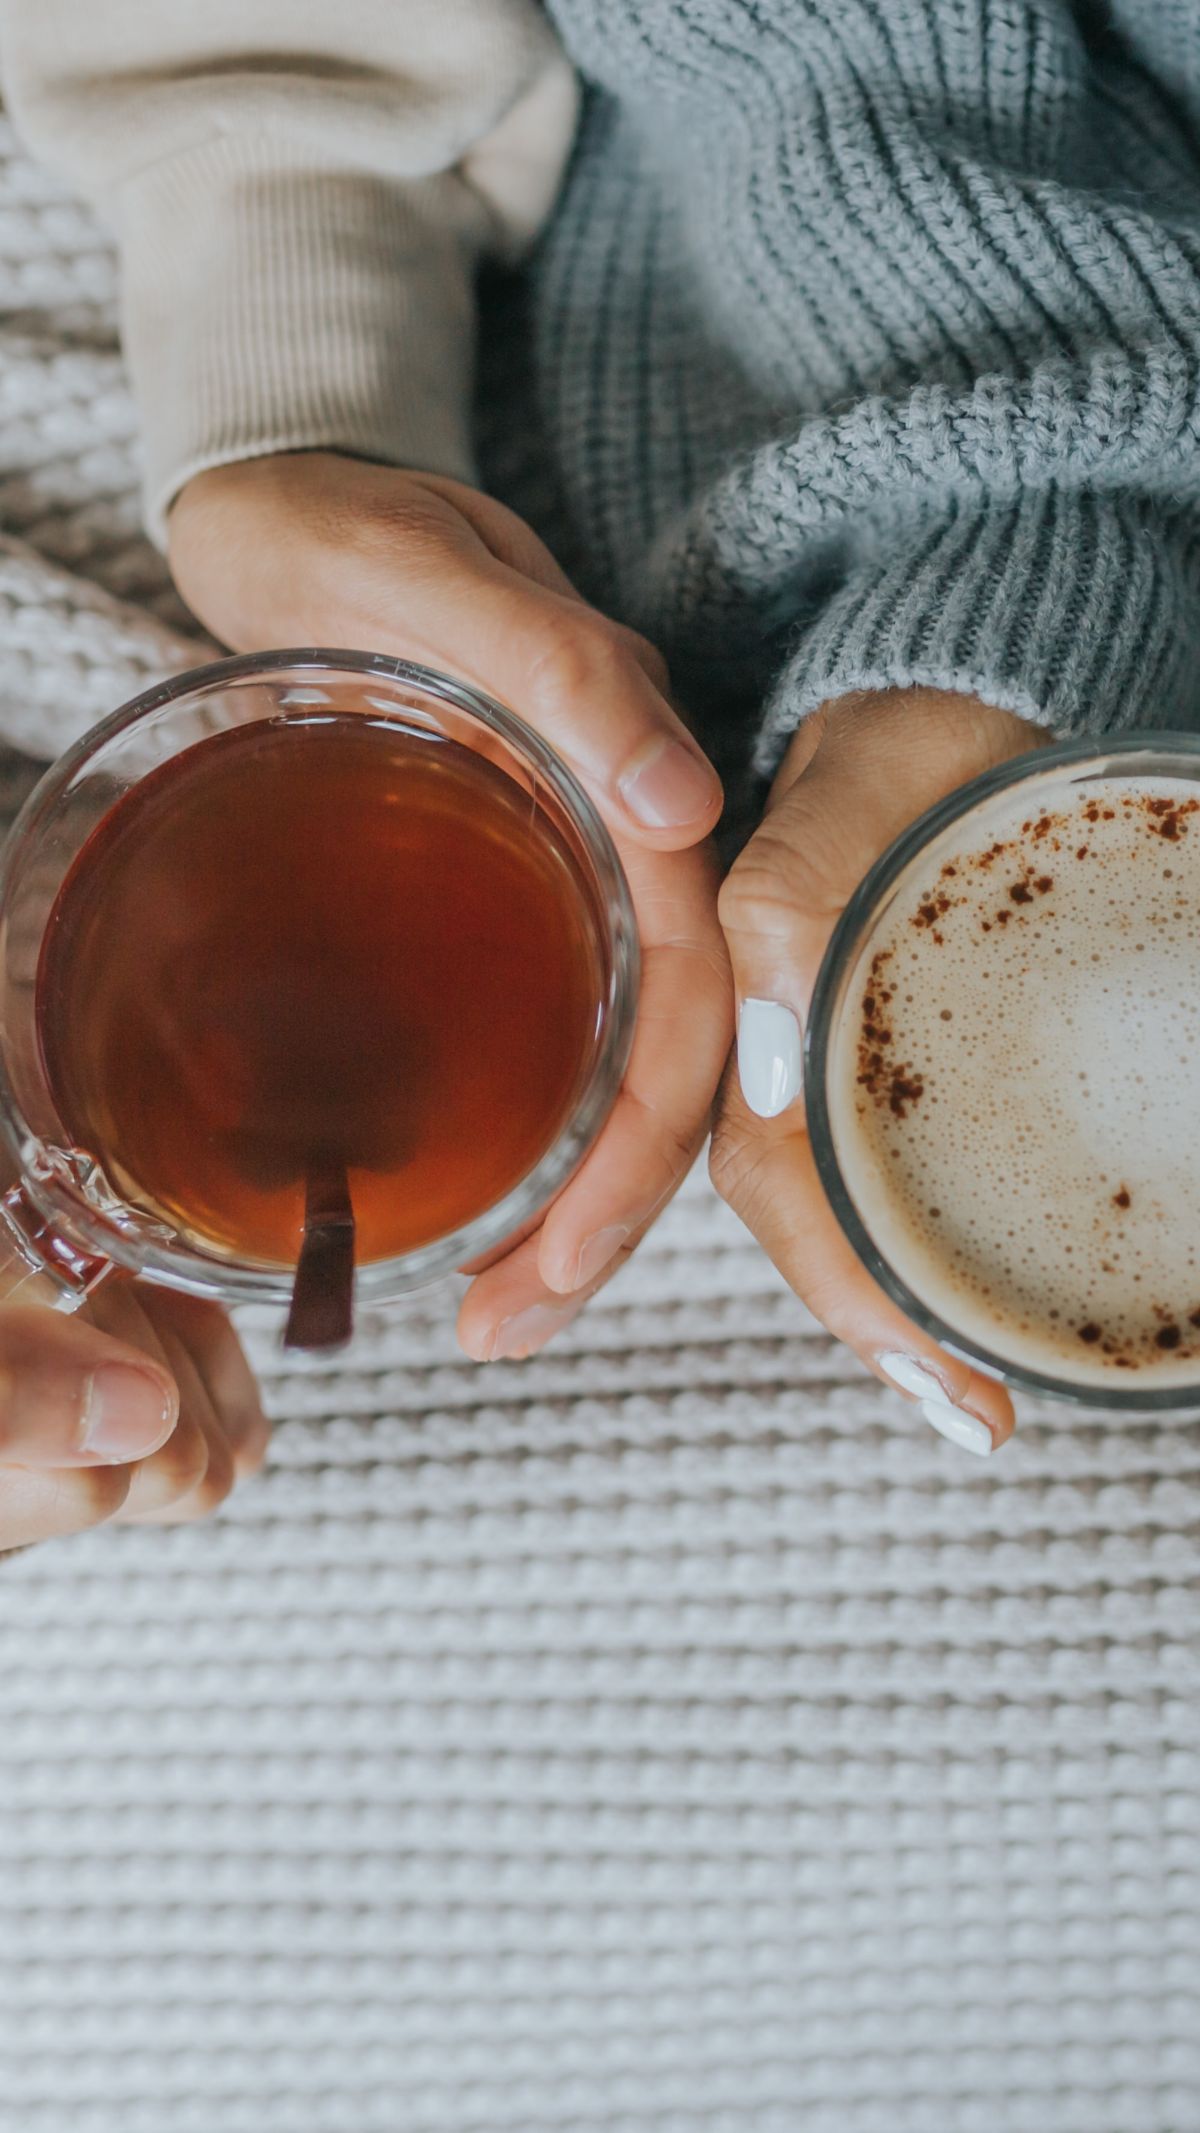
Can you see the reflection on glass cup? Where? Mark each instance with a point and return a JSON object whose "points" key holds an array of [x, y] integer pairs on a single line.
{"points": [[290, 910]]}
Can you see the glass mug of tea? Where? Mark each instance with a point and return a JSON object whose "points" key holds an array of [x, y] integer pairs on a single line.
{"points": [[1002, 1071], [306, 956]]}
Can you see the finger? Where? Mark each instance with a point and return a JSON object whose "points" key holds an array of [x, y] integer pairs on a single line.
{"points": [[123, 1309], [767, 1173], [509, 1312], [40, 1504], [664, 1107], [514, 543], [173, 1470], [155, 1502], [414, 576], [170, 1474], [218, 1474], [221, 1432], [850, 788], [71, 1396], [581, 682], [226, 1375], [192, 1471], [842, 802]]}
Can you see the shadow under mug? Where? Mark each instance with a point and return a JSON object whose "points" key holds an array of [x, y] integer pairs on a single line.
{"points": [[971, 813], [63, 1228]]}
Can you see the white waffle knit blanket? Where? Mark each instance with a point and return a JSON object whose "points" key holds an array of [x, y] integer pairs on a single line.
{"points": [[664, 1736]]}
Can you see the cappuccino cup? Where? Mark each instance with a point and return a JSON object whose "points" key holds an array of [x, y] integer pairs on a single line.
{"points": [[1002, 1071]]}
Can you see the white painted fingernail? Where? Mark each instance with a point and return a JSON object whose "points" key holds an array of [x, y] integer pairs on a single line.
{"points": [[962, 1429], [923, 1384], [769, 1062], [916, 1379]]}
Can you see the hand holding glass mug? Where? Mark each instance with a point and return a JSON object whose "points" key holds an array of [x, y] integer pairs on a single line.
{"points": [[312, 547], [289, 918], [315, 545], [142, 1410]]}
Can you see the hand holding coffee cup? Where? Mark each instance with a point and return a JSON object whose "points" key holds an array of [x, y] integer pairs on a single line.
{"points": [[1000, 1066], [856, 775]]}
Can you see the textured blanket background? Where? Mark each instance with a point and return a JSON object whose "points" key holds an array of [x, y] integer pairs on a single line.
{"points": [[665, 1736]]}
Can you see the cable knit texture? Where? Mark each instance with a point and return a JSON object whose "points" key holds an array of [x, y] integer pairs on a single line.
{"points": [[669, 1735], [864, 339], [868, 341], [300, 193]]}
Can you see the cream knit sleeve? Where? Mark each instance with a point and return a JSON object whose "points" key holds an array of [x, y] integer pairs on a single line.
{"points": [[301, 191]]}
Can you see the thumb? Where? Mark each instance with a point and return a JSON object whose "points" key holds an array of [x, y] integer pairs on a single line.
{"points": [[304, 548], [878, 762], [70, 1396]]}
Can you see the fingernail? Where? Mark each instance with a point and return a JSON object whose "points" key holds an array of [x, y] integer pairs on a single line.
{"points": [[769, 1059], [527, 1330], [922, 1383], [666, 785], [962, 1429], [916, 1379], [596, 1253], [127, 1413]]}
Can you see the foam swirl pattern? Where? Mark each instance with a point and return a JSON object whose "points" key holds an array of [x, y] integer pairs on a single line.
{"points": [[1015, 1074]]}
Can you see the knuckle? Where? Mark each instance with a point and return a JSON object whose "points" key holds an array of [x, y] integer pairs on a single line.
{"points": [[182, 1463], [363, 546], [648, 657], [219, 1477], [398, 518], [100, 1492], [395, 527], [733, 1159], [756, 896], [578, 653]]}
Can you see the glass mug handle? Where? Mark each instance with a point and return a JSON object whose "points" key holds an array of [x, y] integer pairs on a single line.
{"points": [[38, 1265]]}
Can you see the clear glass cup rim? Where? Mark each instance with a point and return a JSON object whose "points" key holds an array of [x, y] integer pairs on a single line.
{"points": [[378, 1281], [1118, 754]]}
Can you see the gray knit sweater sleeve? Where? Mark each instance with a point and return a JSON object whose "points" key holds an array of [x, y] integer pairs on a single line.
{"points": [[903, 299]]}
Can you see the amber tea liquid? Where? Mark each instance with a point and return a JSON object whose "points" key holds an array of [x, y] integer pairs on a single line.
{"points": [[320, 939]]}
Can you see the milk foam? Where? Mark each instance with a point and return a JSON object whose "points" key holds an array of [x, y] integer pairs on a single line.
{"points": [[1014, 1082]]}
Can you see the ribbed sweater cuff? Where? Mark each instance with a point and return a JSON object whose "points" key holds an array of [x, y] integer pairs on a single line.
{"points": [[271, 303], [1077, 610]]}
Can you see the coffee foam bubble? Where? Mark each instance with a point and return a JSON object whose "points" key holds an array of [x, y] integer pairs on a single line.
{"points": [[1014, 1082]]}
